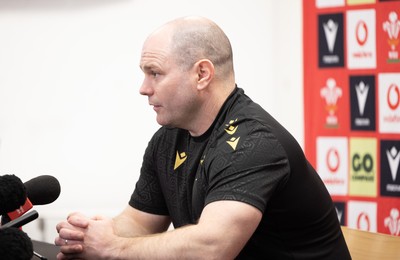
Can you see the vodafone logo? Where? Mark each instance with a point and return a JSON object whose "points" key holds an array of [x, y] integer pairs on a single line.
{"points": [[363, 222], [332, 160], [361, 33], [362, 215], [393, 97], [389, 98], [361, 39], [332, 157]]}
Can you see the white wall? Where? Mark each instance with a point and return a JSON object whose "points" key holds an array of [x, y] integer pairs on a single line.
{"points": [[69, 80]]}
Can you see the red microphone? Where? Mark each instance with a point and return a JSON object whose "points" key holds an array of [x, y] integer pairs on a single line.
{"points": [[21, 210]]}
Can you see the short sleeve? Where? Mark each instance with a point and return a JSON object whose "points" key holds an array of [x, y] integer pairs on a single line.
{"points": [[148, 196]]}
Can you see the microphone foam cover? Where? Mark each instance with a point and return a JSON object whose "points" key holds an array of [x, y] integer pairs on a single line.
{"points": [[15, 244], [12, 193], [43, 189]]}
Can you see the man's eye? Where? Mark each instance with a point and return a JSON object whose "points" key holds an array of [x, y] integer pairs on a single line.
{"points": [[155, 74]]}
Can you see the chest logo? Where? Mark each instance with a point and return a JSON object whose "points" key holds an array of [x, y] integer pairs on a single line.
{"points": [[202, 159], [230, 127], [179, 159], [233, 142]]}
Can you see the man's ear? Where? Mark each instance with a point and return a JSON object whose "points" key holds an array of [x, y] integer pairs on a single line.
{"points": [[205, 71]]}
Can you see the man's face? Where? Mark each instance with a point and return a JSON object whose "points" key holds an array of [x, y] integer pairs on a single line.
{"points": [[170, 90]]}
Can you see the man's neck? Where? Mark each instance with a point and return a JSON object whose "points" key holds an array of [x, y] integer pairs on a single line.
{"points": [[210, 109]]}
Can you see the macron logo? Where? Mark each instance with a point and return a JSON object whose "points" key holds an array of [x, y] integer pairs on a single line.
{"points": [[393, 157], [179, 159], [362, 94], [330, 29], [339, 214]]}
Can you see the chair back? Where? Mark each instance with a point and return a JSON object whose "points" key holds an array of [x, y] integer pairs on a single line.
{"points": [[364, 245]]}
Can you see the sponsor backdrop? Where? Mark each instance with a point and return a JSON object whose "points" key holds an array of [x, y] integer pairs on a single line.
{"points": [[352, 107]]}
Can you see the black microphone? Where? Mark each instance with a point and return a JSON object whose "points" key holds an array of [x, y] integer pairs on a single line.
{"points": [[43, 189], [15, 244], [40, 190]]}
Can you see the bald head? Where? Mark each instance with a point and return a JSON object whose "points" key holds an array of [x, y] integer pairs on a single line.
{"points": [[188, 69], [191, 39]]}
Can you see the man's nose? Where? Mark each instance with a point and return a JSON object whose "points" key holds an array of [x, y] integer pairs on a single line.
{"points": [[146, 89]]}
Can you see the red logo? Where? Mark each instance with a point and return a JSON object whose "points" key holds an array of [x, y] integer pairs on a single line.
{"points": [[332, 160], [361, 32], [363, 222], [393, 97]]}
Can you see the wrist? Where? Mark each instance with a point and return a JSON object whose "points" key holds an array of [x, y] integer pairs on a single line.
{"points": [[120, 249]]}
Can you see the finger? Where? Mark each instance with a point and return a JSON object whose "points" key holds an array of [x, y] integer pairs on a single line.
{"points": [[71, 234], [58, 241], [61, 225], [65, 223], [76, 214], [61, 256], [78, 221], [71, 249]]}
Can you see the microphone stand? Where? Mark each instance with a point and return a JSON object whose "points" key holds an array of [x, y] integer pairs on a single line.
{"points": [[39, 256], [24, 219]]}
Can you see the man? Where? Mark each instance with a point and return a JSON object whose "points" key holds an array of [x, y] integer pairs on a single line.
{"points": [[231, 179]]}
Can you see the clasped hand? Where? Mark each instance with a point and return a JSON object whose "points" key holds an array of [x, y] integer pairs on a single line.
{"points": [[80, 237]]}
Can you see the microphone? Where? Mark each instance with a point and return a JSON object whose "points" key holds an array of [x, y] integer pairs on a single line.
{"points": [[12, 193], [21, 239], [40, 190], [43, 189], [15, 244], [16, 198]]}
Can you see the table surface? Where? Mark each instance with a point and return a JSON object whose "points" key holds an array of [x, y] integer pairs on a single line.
{"points": [[47, 250]]}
